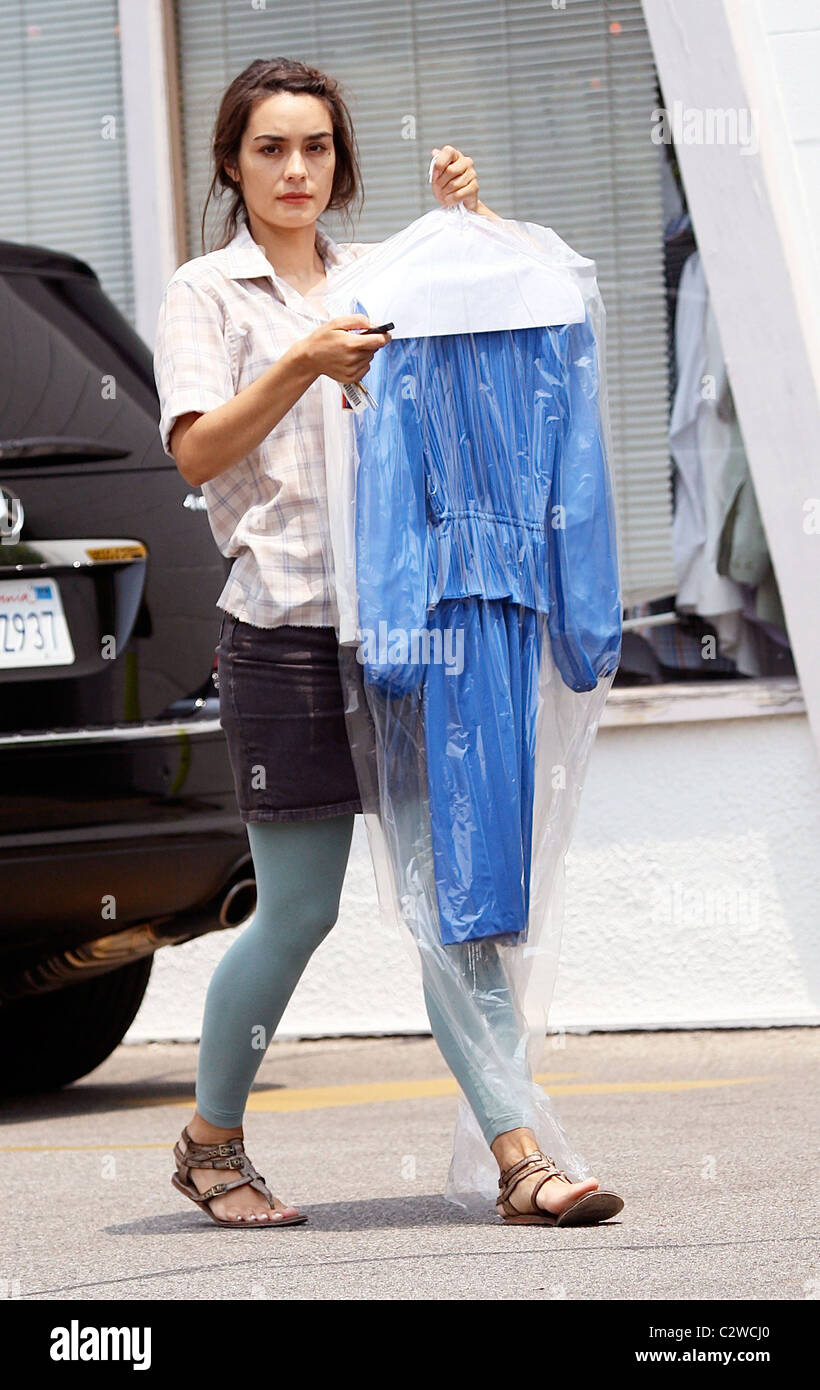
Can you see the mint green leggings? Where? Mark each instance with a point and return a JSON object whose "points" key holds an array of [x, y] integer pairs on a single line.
{"points": [[300, 868]]}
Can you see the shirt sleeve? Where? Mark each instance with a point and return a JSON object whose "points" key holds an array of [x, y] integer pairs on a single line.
{"points": [[391, 524], [585, 616], [192, 357]]}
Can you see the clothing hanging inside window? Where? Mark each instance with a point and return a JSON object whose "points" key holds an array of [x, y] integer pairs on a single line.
{"points": [[726, 585]]}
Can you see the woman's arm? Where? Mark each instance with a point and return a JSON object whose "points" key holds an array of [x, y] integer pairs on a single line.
{"points": [[205, 444]]}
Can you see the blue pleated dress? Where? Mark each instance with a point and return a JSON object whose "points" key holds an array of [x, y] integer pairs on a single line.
{"points": [[483, 517]]}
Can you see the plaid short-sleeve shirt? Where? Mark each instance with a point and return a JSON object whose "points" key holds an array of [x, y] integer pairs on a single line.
{"points": [[224, 319]]}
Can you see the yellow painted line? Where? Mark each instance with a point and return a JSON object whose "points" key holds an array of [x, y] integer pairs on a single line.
{"points": [[372, 1093], [325, 1097], [366, 1093], [362, 1093]]}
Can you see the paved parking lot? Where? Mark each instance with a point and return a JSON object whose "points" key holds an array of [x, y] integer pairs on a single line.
{"points": [[706, 1135]]}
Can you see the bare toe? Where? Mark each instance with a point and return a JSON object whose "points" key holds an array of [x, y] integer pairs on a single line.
{"points": [[562, 1194]]}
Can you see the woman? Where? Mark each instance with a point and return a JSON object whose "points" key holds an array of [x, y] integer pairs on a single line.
{"points": [[238, 358]]}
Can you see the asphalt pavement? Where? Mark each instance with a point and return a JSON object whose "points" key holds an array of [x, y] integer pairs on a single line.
{"points": [[709, 1137]]}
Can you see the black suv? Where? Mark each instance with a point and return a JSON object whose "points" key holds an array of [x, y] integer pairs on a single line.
{"points": [[119, 831]]}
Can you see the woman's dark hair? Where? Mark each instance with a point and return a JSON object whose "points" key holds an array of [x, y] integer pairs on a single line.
{"points": [[258, 80]]}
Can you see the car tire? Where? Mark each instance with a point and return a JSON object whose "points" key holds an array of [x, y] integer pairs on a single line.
{"points": [[51, 1039]]}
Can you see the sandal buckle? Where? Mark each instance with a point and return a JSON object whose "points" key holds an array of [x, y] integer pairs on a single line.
{"points": [[224, 1148], [233, 1163]]}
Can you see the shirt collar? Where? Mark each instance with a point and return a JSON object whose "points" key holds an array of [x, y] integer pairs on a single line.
{"points": [[244, 259]]}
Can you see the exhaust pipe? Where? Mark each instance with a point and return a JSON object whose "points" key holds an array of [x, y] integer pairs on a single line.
{"points": [[231, 907], [239, 904]]}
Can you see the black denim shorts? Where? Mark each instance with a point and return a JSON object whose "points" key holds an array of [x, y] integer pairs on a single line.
{"points": [[282, 708]]}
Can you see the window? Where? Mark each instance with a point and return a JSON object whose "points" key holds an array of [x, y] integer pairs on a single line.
{"points": [[64, 181], [554, 103]]}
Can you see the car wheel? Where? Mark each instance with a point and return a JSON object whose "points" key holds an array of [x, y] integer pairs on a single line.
{"points": [[51, 1039]]}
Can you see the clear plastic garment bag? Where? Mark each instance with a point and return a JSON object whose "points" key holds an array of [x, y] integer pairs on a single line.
{"points": [[473, 543]]}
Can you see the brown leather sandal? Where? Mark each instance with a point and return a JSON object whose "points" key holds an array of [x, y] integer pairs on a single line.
{"points": [[589, 1209], [229, 1155]]}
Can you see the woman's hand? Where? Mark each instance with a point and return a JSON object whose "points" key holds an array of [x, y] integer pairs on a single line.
{"points": [[454, 178], [334, 351], [455, 181]]}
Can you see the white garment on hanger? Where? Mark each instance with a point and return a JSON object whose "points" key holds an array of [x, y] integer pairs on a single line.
{"points": [[699, 442]]}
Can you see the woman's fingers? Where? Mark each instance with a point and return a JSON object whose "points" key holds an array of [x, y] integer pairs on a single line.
{"points": [[349, 321], [461, 187], [360, 360], [454, 176], [445, 174], [447, 155]]}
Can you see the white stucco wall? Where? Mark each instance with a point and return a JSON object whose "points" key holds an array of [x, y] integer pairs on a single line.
{"points": [[691, 899]]}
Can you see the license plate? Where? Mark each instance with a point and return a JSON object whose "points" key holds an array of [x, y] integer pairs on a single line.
{"points": [[33, 628]]}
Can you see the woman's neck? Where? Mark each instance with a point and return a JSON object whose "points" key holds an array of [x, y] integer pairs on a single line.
{"points": [[292, 252]]}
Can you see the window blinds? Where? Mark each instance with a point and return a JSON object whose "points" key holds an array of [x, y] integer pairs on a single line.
{"points": [[64, 180], [554, 105]]}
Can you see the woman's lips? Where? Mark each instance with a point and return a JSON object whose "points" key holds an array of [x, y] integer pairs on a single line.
{"points": [[295, 198]]}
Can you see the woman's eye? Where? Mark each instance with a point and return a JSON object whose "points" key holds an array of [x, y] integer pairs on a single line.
{"points": [[322, 149]]}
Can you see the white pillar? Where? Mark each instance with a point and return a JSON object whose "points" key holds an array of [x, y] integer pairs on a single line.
{"points": [[150, 105]]}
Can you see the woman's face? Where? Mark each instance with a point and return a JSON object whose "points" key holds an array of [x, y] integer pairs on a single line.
{"points": [[287, 149]]}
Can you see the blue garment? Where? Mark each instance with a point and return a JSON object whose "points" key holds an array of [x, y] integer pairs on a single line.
{"points": [[479, 733], [480, 440], [483, 502]]}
